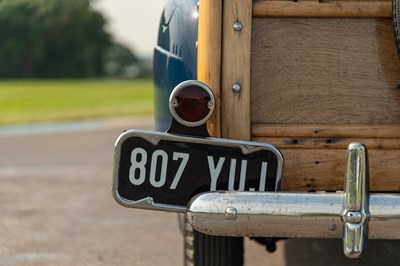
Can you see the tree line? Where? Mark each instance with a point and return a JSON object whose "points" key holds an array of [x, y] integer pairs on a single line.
{"points": [[58, 39]]}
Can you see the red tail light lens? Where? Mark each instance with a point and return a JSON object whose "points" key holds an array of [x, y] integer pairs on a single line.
{"points": [[191, 103]]}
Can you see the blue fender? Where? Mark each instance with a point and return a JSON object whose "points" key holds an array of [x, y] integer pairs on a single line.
{"points": [[175, 56]]}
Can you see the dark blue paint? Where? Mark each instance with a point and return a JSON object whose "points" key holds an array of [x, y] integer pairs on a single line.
{"points": [[175, 56]]}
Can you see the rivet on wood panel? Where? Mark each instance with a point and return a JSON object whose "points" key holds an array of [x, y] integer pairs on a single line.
{"points": [[236, 87], [237, 26]]}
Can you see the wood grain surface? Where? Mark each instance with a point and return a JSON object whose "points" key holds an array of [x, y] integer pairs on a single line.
{"points": [[323, 8], [315, 154], [309, 86], [326, 130], [209, 52], [319, 85], [323, 170], [235, 108], [324, 71]]}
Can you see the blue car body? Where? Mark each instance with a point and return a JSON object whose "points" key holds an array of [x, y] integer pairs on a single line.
{"points": [[175, 56]]}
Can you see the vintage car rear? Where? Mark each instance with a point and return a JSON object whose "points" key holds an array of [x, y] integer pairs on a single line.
{"points": [[320, 81]]}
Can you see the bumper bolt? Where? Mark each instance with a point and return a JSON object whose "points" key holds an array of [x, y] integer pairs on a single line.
{"points": [[231, 213]]}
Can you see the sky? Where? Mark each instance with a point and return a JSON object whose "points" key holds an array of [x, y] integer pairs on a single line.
{"points": [[133, 23]]}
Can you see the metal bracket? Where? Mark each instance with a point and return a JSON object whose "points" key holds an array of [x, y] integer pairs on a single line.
{"points": [[355, 214]]}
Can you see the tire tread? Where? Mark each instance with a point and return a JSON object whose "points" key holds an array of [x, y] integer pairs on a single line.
{"points": [[207, 250]]}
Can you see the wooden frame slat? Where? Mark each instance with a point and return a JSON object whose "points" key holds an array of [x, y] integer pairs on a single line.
{"points": [[209, 56], [323, 170], [331, 143], [235, 108], [319, 9], [326, 131]]}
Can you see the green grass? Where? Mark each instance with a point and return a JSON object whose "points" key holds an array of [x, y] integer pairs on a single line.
{"points": [[28, 101]]}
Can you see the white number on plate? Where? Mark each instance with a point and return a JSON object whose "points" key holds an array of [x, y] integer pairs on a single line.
{"points": [[137, 171]]}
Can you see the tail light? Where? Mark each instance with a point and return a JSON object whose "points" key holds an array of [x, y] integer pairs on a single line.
{"points": [[191, 103]]}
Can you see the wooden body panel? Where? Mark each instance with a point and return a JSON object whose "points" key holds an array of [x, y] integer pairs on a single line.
{"points": [[322, 8], [323, 170], [337, 74], [322, 74], [325, 71], [315, 154]]}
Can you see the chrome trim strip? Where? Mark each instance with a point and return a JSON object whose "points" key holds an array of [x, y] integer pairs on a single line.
{"points": [[293, 215], [355, 214], [154, 137], [167, 53]]}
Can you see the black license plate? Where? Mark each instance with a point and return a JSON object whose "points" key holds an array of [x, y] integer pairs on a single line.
{"points": [[163, 171]]}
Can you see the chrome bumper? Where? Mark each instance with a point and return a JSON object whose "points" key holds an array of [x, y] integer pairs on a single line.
{"points": [[353, 214]]}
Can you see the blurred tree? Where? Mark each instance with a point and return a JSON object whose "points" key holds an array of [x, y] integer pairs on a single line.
{"points": [[51, 38], [121, 62]]}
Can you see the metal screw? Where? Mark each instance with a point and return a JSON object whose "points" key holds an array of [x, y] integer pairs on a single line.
{"points": [[174, 102], [231, 213], [237, 26], [353, 217], [210, 104], [236, 87], [149, 201]]}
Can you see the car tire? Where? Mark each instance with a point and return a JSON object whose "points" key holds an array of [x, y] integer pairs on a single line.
{"points": [[201, 249], [396, 23]]}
